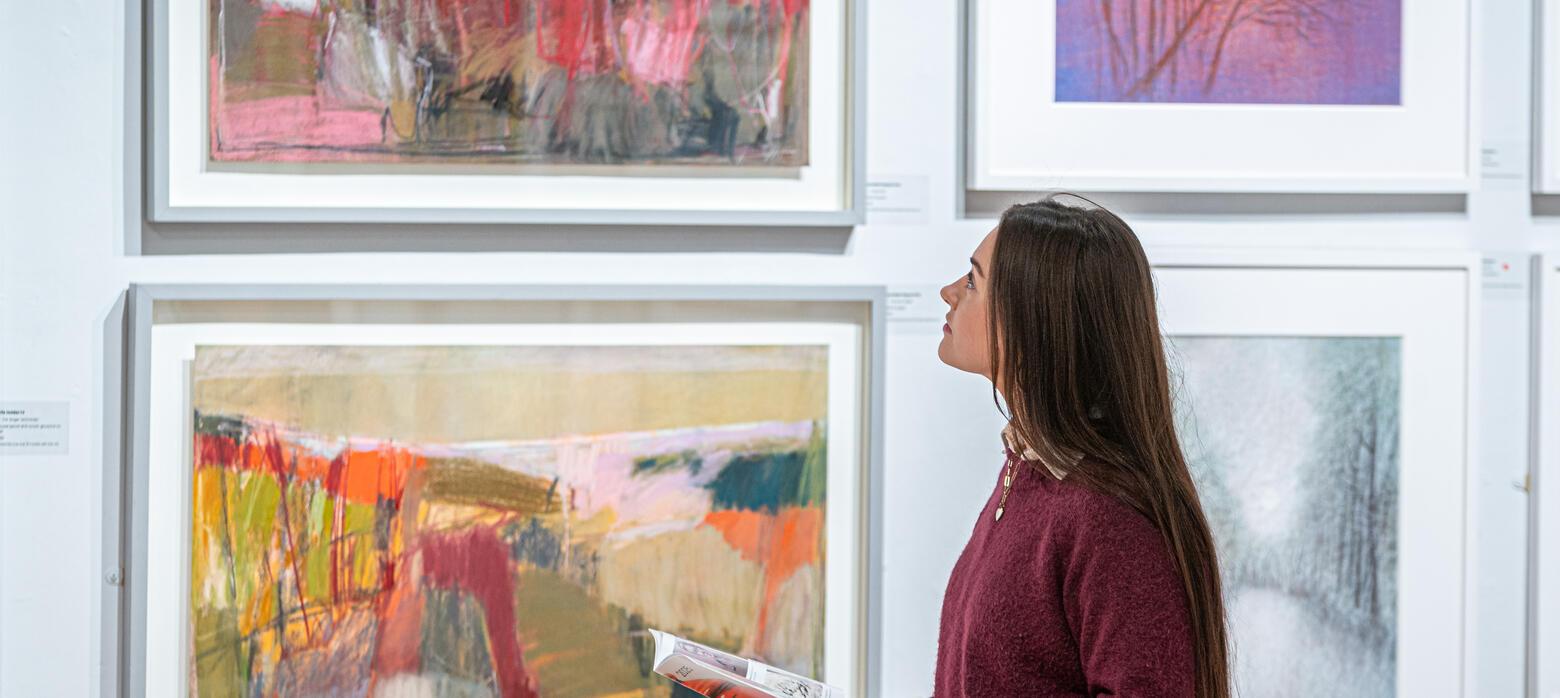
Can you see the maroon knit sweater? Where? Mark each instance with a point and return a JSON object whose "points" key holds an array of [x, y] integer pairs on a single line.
{"points": [[1072, 593]]}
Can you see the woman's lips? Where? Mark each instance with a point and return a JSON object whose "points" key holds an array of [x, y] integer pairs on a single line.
{"points": [[947, 329]]}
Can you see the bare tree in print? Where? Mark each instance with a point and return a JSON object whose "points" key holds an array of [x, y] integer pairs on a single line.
{"points": [[1294, 444], [1159, 48]]}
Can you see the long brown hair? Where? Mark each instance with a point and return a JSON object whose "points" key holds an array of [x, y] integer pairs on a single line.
{"points": [[1077, 355]]}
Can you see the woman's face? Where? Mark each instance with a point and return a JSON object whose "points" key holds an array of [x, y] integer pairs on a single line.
{"points": [[966, 340]]}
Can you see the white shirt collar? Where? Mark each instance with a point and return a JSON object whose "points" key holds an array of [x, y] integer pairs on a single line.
{"points": [[1013, 443]]}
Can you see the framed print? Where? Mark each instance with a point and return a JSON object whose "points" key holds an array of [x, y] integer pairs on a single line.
{"points": [[506, 111], [1546, 128], [1544, 534], [1323, 411], [1188, 95], [361, 491]]}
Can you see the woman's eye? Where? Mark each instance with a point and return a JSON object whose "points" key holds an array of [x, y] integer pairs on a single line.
{"points": [[969, 280]]}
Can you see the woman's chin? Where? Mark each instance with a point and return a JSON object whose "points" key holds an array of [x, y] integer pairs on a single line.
{"points": [[946, 354]]}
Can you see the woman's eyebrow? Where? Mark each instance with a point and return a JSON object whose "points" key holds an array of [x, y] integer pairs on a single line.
{"points": [[976, 264]]}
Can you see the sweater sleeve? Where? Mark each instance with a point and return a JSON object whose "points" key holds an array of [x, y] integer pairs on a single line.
{"points": [[1125, 604]]}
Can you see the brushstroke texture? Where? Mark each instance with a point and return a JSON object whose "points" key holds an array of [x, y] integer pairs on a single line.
{"points": [[1335, 52], [562, 82], [360, 565]]}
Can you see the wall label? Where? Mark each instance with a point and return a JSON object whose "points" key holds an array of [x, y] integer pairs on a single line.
{"points": [[34, 428], [897, 199]]}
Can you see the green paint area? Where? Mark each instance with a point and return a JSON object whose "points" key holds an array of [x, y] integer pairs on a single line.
{"points": [[577, 646], [222, 656], [316, 557], [812, 486], [768, 481], [475, 483], [244, 528], [248, 527]]}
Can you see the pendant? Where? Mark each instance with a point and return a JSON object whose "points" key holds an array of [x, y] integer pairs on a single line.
{"points": [[999, 514]]}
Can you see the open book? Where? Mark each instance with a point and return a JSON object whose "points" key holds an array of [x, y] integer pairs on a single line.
{"points": [[715, 674]]}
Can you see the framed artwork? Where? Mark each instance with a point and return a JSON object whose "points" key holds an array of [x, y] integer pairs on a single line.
{"points": [[1220, 95], [1544, 535], [506, 111], [1546, 129], [359, 491], [1324, 414]]}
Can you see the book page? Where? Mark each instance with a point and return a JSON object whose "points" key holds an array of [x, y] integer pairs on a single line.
{"points": [[777, 682], [707, 680], [790, 685]]}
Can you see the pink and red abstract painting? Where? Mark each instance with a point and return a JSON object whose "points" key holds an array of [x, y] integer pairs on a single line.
{"points": [[548, 82], [1319, 52]]}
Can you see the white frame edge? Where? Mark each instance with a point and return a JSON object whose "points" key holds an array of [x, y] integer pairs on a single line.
{"points": [[150, 16], [972, 179], [125, 484], [1543, 179], [1544, 402], [1468, 263], [1471, 396]]}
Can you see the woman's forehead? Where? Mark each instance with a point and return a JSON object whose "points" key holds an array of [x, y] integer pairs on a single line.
{"points": [[987, 244]]}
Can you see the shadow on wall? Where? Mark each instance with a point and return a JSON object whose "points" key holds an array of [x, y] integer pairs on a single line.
{"points": [[990, 204], [1545, 205], [312, 238]]}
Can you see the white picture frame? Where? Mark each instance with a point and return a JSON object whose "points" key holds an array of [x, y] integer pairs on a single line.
{"points": [[151, 534], [1546, 119], [1430, 305], [1021, 138], [1544, 498], [179, 186]]}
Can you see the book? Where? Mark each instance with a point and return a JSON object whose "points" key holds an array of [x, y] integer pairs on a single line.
{"points": [[712, 673]]}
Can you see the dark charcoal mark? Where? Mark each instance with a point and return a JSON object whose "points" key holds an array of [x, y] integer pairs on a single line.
{"points": [[669, 461], [534, 544], [221, 425]]}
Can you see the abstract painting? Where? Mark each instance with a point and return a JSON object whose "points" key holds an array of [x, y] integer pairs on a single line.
{"points": [[1325, 52], [546, 82], [501, 520], [1293, 443]]}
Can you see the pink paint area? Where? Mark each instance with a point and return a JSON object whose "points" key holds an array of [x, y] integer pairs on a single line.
{"points": [[293, 129], [599, 470], [575, 35], [661, 51]]}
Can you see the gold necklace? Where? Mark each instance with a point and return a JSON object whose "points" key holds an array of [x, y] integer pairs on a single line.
{"points": [[1007, 485]]}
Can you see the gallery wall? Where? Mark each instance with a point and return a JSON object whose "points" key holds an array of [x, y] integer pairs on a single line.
{"points": [[66, 253]]}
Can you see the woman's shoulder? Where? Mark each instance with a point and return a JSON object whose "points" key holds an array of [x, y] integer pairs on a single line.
{"points": [[1093, 516], [1107, 549]]}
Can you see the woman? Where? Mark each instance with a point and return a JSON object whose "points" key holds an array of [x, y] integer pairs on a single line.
{"points": [[1091, 570]]}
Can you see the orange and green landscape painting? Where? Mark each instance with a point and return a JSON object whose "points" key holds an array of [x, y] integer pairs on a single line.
{"points": [[501, 521]]}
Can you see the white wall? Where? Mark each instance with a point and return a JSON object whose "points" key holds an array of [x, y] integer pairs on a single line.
{"points": [[62, 264]]}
